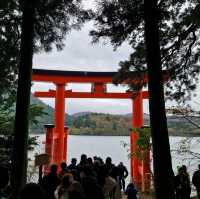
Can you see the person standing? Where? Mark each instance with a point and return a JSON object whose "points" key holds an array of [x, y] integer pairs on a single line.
{"points": [[196, 180], [123, 173], [72, 166], [182, 184], [62, 191], [63, 171], [50, 182]]}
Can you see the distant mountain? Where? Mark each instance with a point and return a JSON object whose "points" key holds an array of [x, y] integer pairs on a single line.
{"points": [[146, 116], [89, 123], [80, 114], [46, 119]]}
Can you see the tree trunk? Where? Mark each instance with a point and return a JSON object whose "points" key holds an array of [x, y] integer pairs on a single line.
{"points": [[19, 164], [163, 173]]}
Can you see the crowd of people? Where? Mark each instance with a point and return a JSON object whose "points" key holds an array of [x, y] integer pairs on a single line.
{"points": [[183, 185], [90, 178]]}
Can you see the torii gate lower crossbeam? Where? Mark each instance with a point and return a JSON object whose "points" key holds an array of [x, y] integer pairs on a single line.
{"points": [[58, 135]]}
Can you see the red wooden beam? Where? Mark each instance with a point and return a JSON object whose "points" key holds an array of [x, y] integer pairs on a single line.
{"points": [[70, 94], [61, 77], [70, 79], [145, 94]]}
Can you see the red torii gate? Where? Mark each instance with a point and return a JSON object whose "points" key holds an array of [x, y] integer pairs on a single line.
{"points": [[56, 138]]}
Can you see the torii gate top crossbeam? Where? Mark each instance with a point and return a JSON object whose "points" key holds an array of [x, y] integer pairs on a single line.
{"points": [[59, 77], [97, 79]]}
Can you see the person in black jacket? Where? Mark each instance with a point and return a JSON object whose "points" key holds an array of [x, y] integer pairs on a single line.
{"points": [[196, 181], [72, 166], [50, 182], [182, 184], [123, 173], [90, 185]]}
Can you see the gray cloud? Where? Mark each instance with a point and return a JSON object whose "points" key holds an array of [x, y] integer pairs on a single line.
{"points": [[80, 54]]}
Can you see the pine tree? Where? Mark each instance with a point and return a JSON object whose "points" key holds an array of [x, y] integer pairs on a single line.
{"points": [[44, 24], [163, 35], [179, 28]]}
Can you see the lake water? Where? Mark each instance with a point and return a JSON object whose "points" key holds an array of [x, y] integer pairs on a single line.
{"points": [[112, 146]]}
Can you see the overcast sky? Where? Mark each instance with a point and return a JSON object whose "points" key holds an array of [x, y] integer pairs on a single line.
{"points": [[80, 55]]}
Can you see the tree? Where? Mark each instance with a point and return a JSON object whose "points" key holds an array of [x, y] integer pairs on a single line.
{"points": [[49, 32], [179, 40], [9, 51], [43, 23], [163, 173], [141, 23], [6, 131], [185, 147], [20, 146]]}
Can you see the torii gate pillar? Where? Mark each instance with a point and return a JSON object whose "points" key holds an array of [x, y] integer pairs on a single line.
{"points": [[137, 123], [65, 144], [59, 131]]}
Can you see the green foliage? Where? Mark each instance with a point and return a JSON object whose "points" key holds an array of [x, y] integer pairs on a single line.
{"points": [[53, 20], [123, 21], [36, 112], [9, 52], [143, 141], [6, 130], [98, 124], [6, 119]]}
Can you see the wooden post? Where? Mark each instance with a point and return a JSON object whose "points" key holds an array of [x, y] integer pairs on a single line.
{"points": [[65, 144], [137, 123], [58, 144], [48, 144]]}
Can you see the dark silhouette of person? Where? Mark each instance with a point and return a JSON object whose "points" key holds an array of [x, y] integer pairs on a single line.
{"points": [[196, 181], [64, 170], [89, 183], [83, 160], [123, 173], [90, 161], [32, 191], [50, 182], [108, 184], [69, 188], [62, 191], [72, 166], [95, 158], [4, 179], [182, 184], [114, 173], [76, 191], [131, 191], [109, 164]]}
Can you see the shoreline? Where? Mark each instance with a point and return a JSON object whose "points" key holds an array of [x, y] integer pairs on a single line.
{"points": [[170, 135]]}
